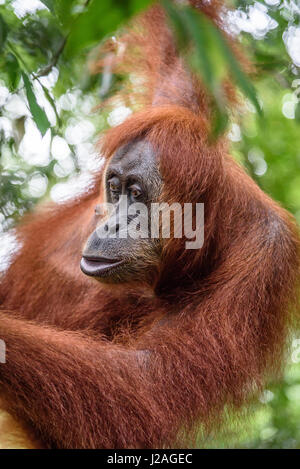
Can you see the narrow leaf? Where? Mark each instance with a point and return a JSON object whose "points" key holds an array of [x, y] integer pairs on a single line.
{"points": [[199, 37], [236, 70], [49, 4], [220, 121], [13, 71], [177, 22], [38, 114], [51, 101], [3, 32], [297, 112]]}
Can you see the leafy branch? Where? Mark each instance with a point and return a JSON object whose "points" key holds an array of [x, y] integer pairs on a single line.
{"points": [[210, 56]]}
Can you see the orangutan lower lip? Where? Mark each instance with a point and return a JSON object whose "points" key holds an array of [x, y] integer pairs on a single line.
{"points": [[96, 266]]}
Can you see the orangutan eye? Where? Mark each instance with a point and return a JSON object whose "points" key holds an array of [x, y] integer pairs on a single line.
{"points": [[135, 191], [114, 185]]}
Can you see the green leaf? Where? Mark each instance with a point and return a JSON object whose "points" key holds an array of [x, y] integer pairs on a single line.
{"points": [[52, 102], [38, 114], [98, 19], [177, 22], [13, 71], [204, 58], [220, 121], [63, 10], [134, 6], [3, 32], [201, 40], [209, 54], [236, 71], [297, 112], [49, 4]]}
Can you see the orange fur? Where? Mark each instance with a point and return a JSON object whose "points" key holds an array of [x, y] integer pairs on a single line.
{"points": [[110, 367]]}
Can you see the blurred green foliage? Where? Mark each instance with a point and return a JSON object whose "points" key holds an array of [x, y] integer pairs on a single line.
{"points": [[38, 42], [46, 89]]}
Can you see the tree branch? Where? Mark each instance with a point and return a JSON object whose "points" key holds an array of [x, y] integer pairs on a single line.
{"points": [[46, 70]]}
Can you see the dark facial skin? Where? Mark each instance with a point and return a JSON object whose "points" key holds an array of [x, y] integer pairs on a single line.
{"points": [[132, 172]]}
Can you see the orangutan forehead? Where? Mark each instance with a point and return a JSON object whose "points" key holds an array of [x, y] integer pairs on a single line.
{"points": [[133, 155], [136, 158]]}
